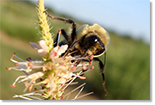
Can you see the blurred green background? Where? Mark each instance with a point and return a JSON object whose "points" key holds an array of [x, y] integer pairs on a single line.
{"points": [[128, 61]]}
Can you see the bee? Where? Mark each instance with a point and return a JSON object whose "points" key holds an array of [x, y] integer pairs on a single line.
{"points": [[86, 41]]}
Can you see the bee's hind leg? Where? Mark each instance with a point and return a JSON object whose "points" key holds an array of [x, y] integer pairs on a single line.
{"points": [[101, 65]]}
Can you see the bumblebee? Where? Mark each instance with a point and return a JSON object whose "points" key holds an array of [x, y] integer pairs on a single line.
{"points": [[86, 41]]}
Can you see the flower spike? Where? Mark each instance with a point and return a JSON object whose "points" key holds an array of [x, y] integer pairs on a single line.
{"points": [[49, 77]]}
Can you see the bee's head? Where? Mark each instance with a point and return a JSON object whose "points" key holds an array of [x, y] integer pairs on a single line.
{"points": [[95, 38]]}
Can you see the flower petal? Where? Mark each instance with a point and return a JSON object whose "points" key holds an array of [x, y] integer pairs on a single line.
{"points": [[41, 52], [53, 53], [43, 45], [35, 45], [62, 49]]}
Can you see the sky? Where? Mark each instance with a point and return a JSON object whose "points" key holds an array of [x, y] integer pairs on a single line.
{"points": [[130, 17]]}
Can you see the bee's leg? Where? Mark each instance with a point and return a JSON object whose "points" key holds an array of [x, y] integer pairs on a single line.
{"points": [[56, 40], [101, 65], [67, 38], [65, 35], [73, 34], [103, 79], [71, 47]]}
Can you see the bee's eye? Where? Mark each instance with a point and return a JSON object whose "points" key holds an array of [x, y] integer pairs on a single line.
{"points": [[90, 41]]}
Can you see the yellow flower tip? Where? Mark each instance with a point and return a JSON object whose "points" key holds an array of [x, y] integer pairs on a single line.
{"points": [[44, 26], [41, 3]]}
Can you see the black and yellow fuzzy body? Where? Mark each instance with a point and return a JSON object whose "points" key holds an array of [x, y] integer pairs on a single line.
{"points": [[85, 41]]}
